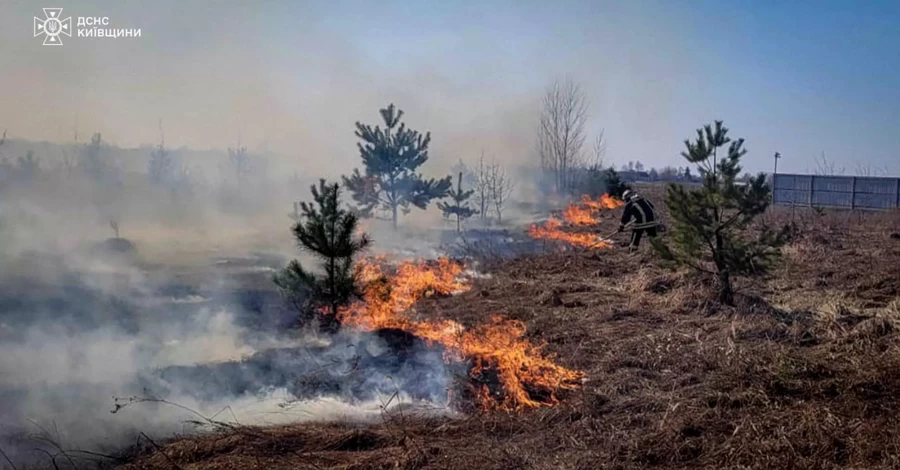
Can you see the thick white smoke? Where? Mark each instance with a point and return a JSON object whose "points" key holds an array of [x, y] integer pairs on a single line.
{"points": [[86, 318]]}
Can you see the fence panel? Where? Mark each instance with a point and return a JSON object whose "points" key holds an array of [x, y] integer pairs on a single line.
{"points": [[849, 192]]}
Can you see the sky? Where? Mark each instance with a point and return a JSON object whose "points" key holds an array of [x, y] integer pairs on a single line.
{"points": [[292, 77]]}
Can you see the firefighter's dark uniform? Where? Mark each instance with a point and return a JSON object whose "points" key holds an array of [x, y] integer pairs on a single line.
{"points": [[641, 211]]}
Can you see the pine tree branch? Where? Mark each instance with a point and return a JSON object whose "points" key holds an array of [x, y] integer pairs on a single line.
{"points": [[696, 266], [728, 222]]}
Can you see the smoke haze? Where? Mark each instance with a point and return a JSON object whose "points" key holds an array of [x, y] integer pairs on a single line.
{"points": [[293, 77], [111, 285]]}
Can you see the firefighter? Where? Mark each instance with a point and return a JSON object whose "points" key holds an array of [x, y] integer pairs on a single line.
{"points": [[640, 212]]}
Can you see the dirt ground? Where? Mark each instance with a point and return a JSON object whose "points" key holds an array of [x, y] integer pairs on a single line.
{"points": [[803, 373]]}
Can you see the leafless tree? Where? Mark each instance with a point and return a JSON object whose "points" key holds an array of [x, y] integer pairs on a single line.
{"points": [[561, 133], [597, 156], [867, 170], [500, 187], [69, 162], [827, 168], [240, 161], [482, 187], [586, 171]]}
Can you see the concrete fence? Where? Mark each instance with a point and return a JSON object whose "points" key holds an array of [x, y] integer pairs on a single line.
{"points": [[848, 192]]}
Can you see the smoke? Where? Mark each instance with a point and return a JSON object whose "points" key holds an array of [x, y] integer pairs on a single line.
{"points": [[293, 78], [184, 317], [65, 381], [113, 286]]}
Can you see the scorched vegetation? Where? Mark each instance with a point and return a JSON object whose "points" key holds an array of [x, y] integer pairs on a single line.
{"points": [[799, 373]]}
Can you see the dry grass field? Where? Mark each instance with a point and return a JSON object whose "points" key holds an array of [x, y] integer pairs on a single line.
{"points": [[804, 372]]}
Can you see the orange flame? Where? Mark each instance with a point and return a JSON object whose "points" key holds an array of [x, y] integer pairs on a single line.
{"points": [[499, 346], [583, 214], [604, 202], [552, 230], [579, 216]]}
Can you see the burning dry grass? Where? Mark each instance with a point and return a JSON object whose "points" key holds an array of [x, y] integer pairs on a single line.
{"points": [[802, 373], [510, 372], [552, 230], [586, 214], [579, 215], [605, 201]]}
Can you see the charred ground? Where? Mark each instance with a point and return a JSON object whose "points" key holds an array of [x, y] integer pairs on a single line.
{"points": [[802, 373]]}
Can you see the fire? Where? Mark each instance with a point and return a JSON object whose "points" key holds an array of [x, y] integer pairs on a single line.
{"points": [[604, 202], [552, 230], [579, 215], [498, 347], [584, 213]]}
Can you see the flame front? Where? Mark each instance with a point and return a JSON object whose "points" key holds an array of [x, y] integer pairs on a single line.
{"points": [[499, 346], [604, 202], [577, 215], [552, 230]]}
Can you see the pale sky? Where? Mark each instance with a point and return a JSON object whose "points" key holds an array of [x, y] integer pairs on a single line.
{"points": [[797, 77]]}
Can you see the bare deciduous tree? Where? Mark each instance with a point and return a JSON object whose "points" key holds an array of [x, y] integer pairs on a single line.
{"points": [[500, 187], [867, 170], [561, 134], [824, 167], [240, 161], [598, 152], [481, 187]]}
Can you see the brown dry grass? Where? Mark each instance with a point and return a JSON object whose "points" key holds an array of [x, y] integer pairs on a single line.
{"points": [[804, 373]]}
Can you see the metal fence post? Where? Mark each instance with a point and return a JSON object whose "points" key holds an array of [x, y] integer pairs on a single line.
{"points": [[853, 193], [812, 185], [897, 194]]}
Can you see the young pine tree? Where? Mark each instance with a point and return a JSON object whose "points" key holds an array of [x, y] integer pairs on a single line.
{"points": [[460, 207], [392, 157], [711, 225], [327, 232]]}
